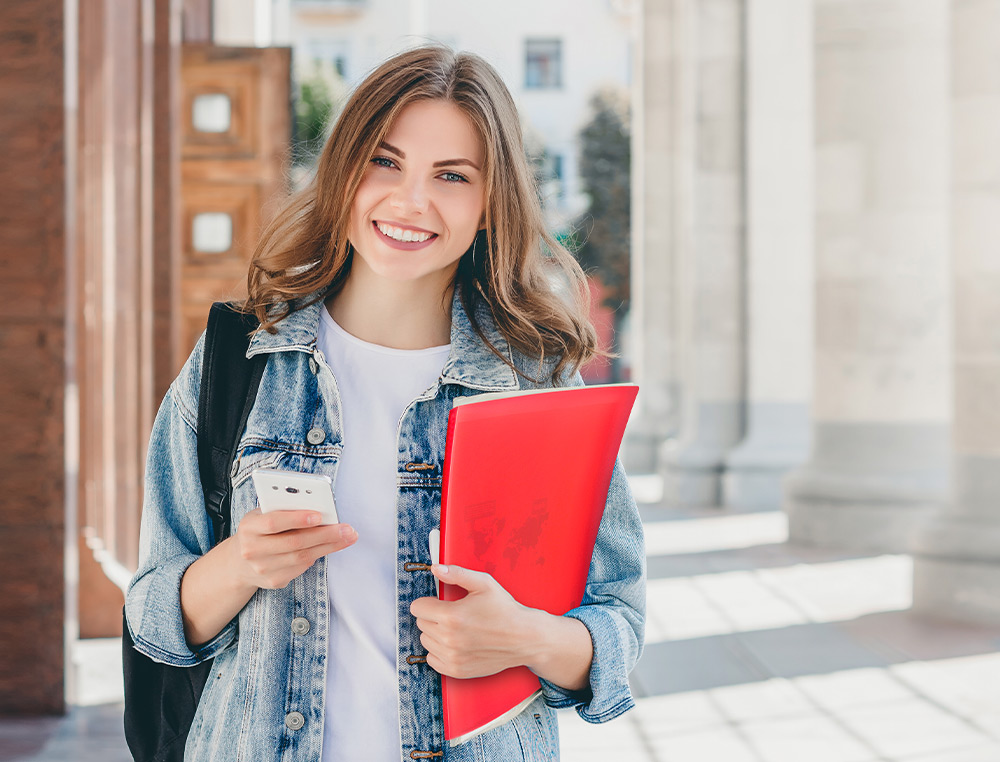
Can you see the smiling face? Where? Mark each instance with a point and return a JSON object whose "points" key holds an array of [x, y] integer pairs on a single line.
{"points": [[421, 198]]}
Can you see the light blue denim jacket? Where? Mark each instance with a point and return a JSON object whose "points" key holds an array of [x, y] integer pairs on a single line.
{"points": [[264, 698]]}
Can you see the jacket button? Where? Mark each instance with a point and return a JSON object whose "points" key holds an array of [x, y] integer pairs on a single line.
{"points": [[300, 625], [315, 436], [294, 720]]}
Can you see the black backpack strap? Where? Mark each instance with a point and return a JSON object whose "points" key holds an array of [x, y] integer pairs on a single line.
{"points": [[229, 383]]}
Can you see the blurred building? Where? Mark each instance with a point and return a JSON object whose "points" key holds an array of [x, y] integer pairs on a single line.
{"points": [[554, 56], [139, 163], [815, 323], [817, 259]]}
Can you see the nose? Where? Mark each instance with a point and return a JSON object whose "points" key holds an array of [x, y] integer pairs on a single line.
{"points": [[409, 196]]}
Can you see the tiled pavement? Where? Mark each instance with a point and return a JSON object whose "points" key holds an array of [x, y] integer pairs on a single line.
{"points": [[756, 652]]}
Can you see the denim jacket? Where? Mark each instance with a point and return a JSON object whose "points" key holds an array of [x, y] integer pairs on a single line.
{"points": [[264, 698]]}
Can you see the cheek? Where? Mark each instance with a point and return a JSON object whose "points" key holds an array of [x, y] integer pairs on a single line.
{"points": [[365, 198], [470, 212]]}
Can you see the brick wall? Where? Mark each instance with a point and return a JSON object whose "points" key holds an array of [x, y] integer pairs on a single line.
{"points": [[32, 314]]}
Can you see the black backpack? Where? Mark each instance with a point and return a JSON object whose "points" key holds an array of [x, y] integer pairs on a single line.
{"points": [[160, 700]]}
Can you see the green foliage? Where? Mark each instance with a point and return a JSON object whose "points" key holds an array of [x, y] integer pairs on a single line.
{"points": [[605, 169], [319, 95]]}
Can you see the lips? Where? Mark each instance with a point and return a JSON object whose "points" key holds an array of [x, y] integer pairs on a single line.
{"points": [[396, 236]]}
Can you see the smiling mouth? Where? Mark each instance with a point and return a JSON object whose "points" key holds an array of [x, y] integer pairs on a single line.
{"points": [[403, 235]]}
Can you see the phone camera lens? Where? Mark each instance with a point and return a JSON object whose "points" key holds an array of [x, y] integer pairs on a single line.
{"points": [[291, 489]]}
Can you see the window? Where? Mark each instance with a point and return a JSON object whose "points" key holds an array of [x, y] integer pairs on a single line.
{"points": [[557, 173], [211, 112], [212, 232], [551, 177], [334, 52], [542, 64]]}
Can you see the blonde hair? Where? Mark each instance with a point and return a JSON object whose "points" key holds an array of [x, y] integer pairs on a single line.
{"points": [[304, 251]]}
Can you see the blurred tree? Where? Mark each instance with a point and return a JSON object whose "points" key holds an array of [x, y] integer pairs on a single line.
{"points": [[602, 237], [319, 96]]}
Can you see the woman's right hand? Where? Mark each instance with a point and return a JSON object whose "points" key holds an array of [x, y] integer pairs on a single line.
{"points": [[268, 550], [276, 547]]}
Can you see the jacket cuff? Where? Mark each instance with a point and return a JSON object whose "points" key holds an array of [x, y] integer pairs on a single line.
{"points": [[160, 634], [609, 694]]}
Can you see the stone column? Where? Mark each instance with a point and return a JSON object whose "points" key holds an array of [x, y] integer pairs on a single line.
{"points": [[710, 273], [881, 413], [779, 252], [957, 563], [663, 125]]}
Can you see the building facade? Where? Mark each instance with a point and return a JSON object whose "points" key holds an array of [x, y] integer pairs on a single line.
{"points": [[815, 272], [554, 56]]}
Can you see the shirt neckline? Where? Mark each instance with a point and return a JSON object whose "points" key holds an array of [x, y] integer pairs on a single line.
{"points": [[333, 325]]}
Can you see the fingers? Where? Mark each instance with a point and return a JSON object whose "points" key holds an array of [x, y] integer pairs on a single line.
{"points": [[429, 609], [473, 581], [294, 524], [276, 548], [305, 547], [275, 522]]}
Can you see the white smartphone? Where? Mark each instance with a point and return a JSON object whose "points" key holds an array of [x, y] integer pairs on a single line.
{"points": [[294, 491]]}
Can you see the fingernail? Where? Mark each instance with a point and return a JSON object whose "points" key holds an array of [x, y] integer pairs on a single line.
{"points": [[347, 533], [442, 569], [313, 518]]}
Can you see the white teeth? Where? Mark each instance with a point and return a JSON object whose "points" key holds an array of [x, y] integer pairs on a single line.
{"points": [[398, 234]]}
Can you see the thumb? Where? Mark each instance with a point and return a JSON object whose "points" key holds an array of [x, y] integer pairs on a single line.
{"points": [[470, 580]]}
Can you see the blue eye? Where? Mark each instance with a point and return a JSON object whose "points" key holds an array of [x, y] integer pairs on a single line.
{"points": [[454, 177], [382, 161]]}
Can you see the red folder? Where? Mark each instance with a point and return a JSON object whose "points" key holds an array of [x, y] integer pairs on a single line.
{"points": [[526, 478]]}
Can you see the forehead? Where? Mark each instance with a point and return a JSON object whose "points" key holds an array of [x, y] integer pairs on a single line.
{"points": [[436, 130]]}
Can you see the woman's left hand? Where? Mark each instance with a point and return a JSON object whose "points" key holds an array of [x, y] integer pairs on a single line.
{"points": [[485, 632]]}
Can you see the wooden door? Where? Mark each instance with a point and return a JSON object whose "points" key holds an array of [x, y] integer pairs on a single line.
{"points": [[235, 146]]}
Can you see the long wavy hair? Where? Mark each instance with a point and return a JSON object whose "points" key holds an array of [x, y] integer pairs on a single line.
{"points": [[533, 288]]}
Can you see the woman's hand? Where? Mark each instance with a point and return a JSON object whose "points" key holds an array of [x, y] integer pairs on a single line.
{"points": [[276, 547], [268, 550], [487, 632]]}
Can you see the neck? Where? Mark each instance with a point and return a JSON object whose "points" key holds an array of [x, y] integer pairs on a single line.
{"points": [[406, 315]]}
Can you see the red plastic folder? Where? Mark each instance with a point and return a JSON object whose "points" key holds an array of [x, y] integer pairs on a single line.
{"points": [[526, 478]]}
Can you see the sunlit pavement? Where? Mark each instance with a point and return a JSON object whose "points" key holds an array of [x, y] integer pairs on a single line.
{"points": [[756, 651]]}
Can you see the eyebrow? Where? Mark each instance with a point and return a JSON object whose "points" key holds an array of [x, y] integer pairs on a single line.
{"points": [[446, 163]]}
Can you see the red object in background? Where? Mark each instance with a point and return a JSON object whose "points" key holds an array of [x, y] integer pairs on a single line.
{"points": [[525, 482], [598, 370]]}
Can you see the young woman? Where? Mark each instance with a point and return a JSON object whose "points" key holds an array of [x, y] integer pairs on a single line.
{"points": [[414, 269]]}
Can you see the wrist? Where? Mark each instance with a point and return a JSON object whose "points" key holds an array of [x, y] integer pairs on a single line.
{"points": [[537, 642], [558, 649], [242, 579]]}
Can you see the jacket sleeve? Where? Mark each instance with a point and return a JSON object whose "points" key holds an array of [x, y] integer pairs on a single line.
{"points": [[175, 530], [613, 607]]}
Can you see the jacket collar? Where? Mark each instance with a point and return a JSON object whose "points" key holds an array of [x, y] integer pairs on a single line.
{"points": [[470, 362]]}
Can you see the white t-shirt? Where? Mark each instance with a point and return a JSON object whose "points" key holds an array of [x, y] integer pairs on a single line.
{"points": [[376, 385]]}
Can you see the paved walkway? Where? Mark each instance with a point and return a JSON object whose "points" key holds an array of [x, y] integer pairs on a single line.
{"points": [[756, 651]]}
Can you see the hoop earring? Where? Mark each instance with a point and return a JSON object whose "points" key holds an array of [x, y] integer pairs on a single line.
{"points": [[474, 252]]}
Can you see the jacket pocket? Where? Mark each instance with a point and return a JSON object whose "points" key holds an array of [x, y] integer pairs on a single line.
{"points": [[246, 463]]}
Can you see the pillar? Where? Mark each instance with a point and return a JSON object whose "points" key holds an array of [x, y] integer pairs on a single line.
{"points": [[957, 556], [34, 541], [881, 413], [709, 282], [779, 252], [663, 126]]}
